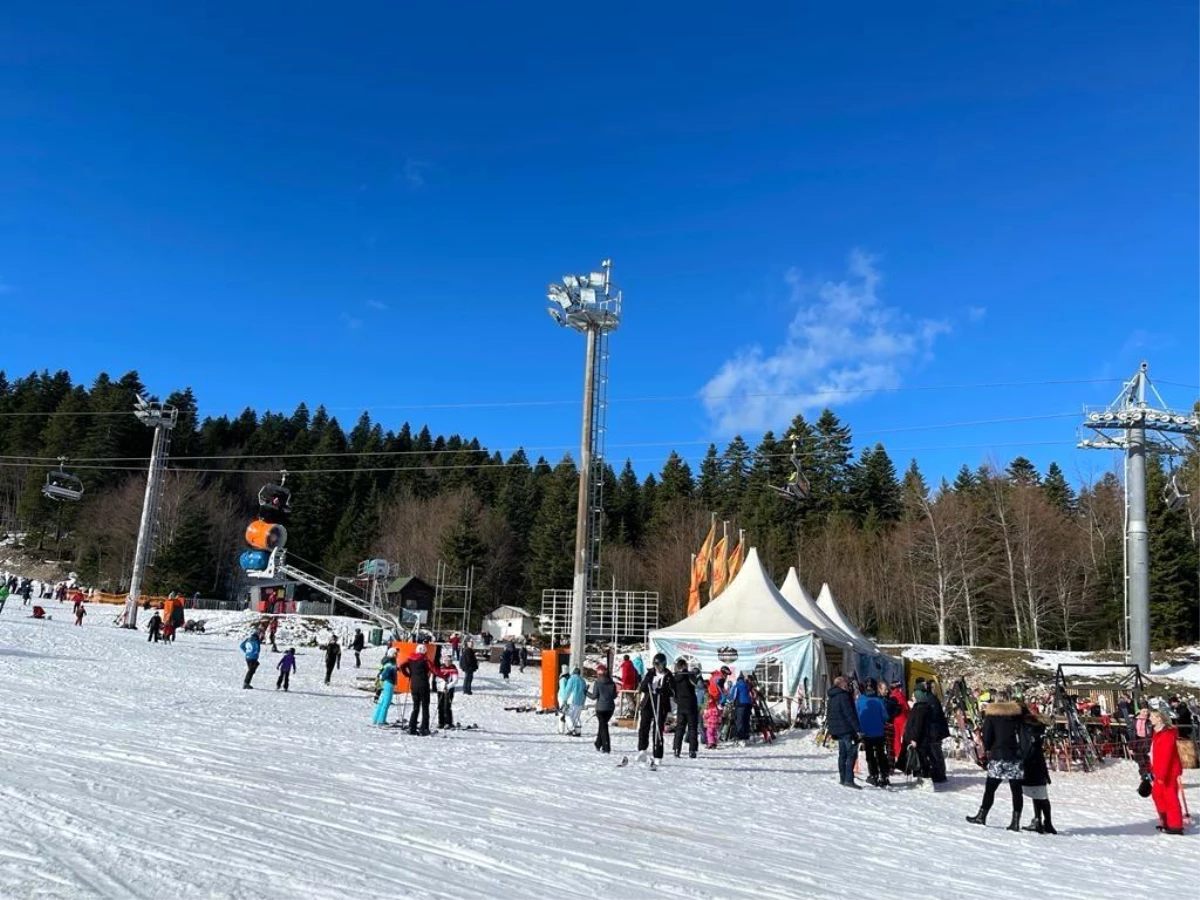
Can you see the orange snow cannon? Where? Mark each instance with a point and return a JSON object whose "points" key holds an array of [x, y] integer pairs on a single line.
{"points": [[263, 535]]}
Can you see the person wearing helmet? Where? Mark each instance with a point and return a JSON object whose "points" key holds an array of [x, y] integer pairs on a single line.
{"points": [[417, 670], [687, 710], [655, 691], [387, 687], [604, 692]]}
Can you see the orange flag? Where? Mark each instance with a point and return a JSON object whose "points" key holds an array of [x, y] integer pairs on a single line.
{"points": [[720, 567], [736, 558], [700, 570]]}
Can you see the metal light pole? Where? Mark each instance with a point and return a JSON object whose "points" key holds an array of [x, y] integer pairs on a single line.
{"points": [[1130, 424], [162, 419], [592, 305]]}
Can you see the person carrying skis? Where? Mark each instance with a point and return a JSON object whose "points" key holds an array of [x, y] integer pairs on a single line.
{"points": [[872, 720], [155, 628], [417, 670], [687, 711], [1001, 740], [841, 721], [446, 678], [80, 612], [655, 691], [571, 697], [286, 666], [387, 687], [251, 646], [357, 644], [604, 691], [1166, 768], [333, 657], [1037, 776], [470, 665]]}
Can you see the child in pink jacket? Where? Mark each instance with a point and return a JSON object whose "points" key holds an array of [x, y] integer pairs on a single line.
{"points": [[712, 723]]}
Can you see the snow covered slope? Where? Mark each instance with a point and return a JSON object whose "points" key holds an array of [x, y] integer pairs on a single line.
{"points": [[139, 770]]}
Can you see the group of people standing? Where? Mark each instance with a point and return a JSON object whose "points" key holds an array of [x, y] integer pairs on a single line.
{"points": [[252, 646], [425, 677]]}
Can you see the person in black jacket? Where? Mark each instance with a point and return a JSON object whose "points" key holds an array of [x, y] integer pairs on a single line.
{"points": [[841, 721], [1036, 775], [655, 692], [918, 734], [469, 666], [604, 692], [333, 657], [687, 709], [1182, 716], [939, 730], [1002, 742], [416, 669], [357, 646]]}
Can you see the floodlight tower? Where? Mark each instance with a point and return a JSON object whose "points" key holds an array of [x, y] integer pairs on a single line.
{"points": [[1129, 423], [162, 419], [590, 304]]}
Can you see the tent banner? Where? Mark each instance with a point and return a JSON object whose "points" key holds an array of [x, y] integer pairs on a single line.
{"points": [[796, 654]]}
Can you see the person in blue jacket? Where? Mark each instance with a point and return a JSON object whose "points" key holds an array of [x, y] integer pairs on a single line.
{"points": [[640, 665], [572, 697], [841, 721], [387, 683], [872, 721], [739, 696], [251, 647]]}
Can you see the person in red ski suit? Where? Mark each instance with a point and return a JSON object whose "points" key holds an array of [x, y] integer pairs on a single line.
{"points": [[1167, 769], [629, 682], [899, 722]]}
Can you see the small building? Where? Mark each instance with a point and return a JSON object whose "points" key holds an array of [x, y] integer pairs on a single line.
{"points": [[507, 622], [411, 598]]}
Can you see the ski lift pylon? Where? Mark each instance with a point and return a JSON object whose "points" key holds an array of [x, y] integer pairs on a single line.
{"points": [[61, 485]]}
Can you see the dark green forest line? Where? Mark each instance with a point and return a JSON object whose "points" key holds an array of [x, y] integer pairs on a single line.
{"points": [[997, 557]]}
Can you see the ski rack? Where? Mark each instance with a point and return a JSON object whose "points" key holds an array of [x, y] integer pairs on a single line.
{"points": [[277, 566], [1078, 737], [968, 726]]}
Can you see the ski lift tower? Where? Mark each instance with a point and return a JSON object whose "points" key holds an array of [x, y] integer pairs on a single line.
{"points": [[591, 305], [1131, 424], [162, 419]]}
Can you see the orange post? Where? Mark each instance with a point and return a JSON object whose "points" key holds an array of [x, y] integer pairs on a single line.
{"points": [[405, 650], [552, 660]]}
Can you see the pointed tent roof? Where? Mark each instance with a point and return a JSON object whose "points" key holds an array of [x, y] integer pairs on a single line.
{"points": [[749, 607], [795, 594], [828, 605]]}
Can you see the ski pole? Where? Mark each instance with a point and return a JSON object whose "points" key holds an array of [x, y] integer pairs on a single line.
{"points": [[1183, 801]]}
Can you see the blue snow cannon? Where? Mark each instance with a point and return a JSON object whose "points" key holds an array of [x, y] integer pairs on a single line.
{"points": [[254, 560]]}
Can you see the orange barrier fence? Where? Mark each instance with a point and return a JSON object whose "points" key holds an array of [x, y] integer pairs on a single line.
{"points": [[105, 597]]}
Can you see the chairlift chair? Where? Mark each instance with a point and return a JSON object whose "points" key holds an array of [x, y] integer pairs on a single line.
{"points": [[797, 488], [1174, 495], [61, 485], [275, 497]]}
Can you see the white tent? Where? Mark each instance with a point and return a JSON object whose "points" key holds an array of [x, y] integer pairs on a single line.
{"points": [[871, 663], [795, 594], [749, 622], [827, 605]]}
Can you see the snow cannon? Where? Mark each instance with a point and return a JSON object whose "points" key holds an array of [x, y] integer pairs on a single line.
{"points": [[254, 560], [262, 535]]}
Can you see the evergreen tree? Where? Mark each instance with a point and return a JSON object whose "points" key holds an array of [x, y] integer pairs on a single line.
{"points": [[552, 540], [185, 565], [829, 475], [1058, 492], [735, 469], [966, 482], [915, 492], [461, 547], [708, 486], [1022, 471], [627, 507], [875, 493]]}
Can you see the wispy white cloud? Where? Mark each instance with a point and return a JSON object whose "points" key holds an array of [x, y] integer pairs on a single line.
{"points": [[377, 304], [414, 172], [843, 344], [976, 313], [351, 322]]}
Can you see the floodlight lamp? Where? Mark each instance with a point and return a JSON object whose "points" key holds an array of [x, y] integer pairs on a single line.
{"points": [[1094, 417], [1180, 420], [556, 315], [571, 281]]}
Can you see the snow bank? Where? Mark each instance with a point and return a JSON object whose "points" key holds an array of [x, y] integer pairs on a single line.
{"points": [[142, 770]]}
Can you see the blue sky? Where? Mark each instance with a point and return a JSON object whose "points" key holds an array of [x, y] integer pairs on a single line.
{"points": [[361, 205]]}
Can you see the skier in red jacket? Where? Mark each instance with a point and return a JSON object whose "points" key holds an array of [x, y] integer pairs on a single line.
{"points": [[1167, 769]]}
